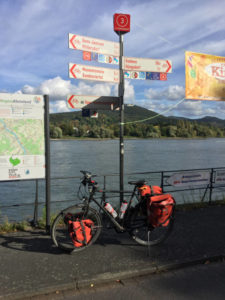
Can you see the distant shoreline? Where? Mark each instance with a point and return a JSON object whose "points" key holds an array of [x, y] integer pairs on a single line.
{"points": [[134, 138]]}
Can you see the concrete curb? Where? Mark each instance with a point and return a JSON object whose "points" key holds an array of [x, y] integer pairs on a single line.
{"points": [[106, 278]]}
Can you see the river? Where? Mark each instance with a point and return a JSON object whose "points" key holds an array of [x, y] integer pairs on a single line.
{"points": [[68, 157]]}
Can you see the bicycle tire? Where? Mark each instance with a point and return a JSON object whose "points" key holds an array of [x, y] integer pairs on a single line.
{"points": [[143, 233], [60, 233]]}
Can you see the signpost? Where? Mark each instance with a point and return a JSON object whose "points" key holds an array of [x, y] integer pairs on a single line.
{"points": [[93, 73], [24, 141], [146, 64], [121, 26], [84, 43], [129, 67], [92, 102]]}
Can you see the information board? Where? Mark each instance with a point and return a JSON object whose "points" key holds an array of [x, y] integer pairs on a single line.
{"points": [[22, 142]]}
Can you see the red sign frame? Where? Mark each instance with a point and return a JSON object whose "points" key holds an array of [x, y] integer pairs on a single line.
{"points": [[121, 23]]}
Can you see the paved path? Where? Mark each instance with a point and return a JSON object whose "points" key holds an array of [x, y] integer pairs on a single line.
{"points": [[30, 264], [205, 281]]}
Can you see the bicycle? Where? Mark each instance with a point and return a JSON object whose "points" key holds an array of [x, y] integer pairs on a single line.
{"points": [[134, 220]]}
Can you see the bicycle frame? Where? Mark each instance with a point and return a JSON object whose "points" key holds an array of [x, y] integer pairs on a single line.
{"points": [[102, 208]]}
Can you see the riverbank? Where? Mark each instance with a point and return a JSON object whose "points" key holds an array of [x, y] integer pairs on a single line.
{"points": [[71, 138], [9, 227]]}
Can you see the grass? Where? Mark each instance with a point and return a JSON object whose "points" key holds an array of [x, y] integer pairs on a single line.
{"points": [[7, 226], [13, 227]]}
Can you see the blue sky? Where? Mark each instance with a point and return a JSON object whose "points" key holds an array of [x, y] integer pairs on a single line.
{"points": [[34, 51]]}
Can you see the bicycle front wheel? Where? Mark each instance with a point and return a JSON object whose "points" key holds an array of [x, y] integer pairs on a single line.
{"points": [[61, 234], [145, 234]]}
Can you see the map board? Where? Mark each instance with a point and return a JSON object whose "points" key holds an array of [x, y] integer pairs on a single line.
{"points": [[22, 141]]}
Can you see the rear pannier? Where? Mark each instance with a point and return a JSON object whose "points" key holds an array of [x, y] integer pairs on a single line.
{"points": [[149, 190], [159, 206], [160, 209]]}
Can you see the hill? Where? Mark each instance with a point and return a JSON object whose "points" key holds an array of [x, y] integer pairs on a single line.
{"points": [[107, 125]]}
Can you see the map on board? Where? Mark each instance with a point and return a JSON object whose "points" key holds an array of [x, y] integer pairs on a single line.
{"points": [[22, 142]]}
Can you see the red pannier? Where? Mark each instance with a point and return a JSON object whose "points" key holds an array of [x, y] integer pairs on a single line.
{"points": [[160, 209], [80, 231], [149, 190]]}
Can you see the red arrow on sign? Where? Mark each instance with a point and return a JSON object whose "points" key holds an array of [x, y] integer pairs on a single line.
{"points": [[70, 101], [169, 66], [72, 40], [72, 69]]}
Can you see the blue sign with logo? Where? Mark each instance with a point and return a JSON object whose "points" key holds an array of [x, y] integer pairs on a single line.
{"points": [[153, 75]]}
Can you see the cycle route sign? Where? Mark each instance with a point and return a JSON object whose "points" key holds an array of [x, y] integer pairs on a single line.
{"points": [[79, 42], [22, 140], [93, 73]]}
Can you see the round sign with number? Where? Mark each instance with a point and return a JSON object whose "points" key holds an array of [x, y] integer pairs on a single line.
{"points": [[122, 23]]}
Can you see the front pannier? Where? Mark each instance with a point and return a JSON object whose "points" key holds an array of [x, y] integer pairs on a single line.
{"points": [[80, 231], [160, 209]]}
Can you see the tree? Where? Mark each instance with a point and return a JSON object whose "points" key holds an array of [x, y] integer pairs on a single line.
{"points": [[57, 133]]}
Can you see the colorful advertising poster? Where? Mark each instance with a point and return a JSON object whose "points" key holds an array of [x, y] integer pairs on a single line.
{"points": [[205, 76], [22, 141]]}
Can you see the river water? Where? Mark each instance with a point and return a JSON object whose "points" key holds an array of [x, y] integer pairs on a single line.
{"points": [[68, 157]]}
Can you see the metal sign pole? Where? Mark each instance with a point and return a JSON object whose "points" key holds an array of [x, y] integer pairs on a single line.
{"points": [[121, 94], [47, 164]]}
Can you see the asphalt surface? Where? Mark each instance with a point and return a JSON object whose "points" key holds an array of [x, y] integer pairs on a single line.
{"points": [[30, 265], [205, 281]]}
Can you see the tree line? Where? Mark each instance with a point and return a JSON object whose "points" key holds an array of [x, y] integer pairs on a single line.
{"points": [[105, 127]]}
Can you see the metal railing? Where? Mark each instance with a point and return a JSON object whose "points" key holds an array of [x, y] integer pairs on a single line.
{"points": [[111, 181]]}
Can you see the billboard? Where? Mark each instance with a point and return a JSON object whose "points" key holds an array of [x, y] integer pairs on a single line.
{"points": [[22, 140], [204, 76]]}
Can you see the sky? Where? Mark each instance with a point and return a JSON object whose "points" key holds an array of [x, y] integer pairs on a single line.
{"points": [[34, 51]]}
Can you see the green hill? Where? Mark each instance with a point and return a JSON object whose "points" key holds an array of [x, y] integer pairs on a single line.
{"points": [[107, 125]]}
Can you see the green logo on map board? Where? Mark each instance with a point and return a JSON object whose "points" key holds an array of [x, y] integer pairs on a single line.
{"points": [[14, 161]]}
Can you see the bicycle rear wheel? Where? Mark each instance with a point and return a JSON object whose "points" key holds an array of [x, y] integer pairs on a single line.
{"points": [[145, 234], [60, 228]]}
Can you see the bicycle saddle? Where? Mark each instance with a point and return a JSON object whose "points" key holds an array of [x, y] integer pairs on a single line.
{"points": [[87, 174], [137, 182]]}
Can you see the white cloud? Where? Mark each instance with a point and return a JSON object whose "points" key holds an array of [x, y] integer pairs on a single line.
{"points": [[58, 90], [196, 109], [34, 42], [129, 92], [58, 106], [173, 92]]}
